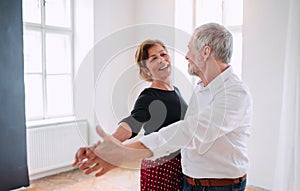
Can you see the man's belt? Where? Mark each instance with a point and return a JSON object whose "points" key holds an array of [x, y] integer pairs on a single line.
{"points": [[214, 181]]}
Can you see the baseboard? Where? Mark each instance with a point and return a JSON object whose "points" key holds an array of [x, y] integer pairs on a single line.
{"points": [[50, 172]]}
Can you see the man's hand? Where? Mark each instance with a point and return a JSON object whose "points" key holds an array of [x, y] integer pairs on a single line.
{"points": [[106, 155], [114, 152]]}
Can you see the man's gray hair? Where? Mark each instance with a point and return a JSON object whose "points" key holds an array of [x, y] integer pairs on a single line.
{"points": [[217, 37]]}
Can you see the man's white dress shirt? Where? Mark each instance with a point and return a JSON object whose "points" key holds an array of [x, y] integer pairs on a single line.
{"points": [[214, 133]]}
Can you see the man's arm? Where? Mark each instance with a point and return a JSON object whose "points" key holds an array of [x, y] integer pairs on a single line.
{"points": [[201, 128], [114, 152], [89, 162]]}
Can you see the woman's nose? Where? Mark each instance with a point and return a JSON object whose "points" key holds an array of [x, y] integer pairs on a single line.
{"points": [[161, 58]]}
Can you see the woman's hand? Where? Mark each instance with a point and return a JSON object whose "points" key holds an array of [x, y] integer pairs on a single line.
{"points": [[87, 161]]}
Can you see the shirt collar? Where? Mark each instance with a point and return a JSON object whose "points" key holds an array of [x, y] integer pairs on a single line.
{"points": [[218, 82]]}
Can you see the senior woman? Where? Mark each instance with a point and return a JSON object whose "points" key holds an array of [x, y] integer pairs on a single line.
{"points": [[156, 107]]}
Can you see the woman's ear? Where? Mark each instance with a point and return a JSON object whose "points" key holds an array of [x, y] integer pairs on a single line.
{"points": [[146, 73]]}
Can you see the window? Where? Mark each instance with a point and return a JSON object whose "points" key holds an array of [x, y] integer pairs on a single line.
{"points": [[230, 14], [48, 58]]}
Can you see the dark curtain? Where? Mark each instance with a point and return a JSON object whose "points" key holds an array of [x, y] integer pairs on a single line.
{"points": [[13, 159]]}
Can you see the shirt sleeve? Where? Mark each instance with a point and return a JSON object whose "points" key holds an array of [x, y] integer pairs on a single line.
{"points": [[139, 115], [199, 130], [183, 104]]}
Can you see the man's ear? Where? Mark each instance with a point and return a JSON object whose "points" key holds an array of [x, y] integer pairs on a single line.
{"points": [[206, 52]]}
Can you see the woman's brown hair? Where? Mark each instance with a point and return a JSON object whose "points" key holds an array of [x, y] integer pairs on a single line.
{"points": [[141, 55]]}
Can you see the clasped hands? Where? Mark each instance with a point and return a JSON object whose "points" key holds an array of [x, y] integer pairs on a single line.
{"points": [[106, 155]]}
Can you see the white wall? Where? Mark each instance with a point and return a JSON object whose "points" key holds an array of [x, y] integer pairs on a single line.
{"points": [[155, 11], [115, 38], [83, 60], [84, 30], [109, 17], [263, 62], [184, 24]]}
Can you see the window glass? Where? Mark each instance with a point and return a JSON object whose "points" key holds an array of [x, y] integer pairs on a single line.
{"points": [[32, 51], [228, 13], [32, 11], [48, 59], [233, 12], [208, 11], [57, 13], [59, 96], [236, 59], [58, 54], [33, 96]]}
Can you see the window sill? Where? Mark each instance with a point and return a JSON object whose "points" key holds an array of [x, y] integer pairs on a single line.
{"points": [[54, 121]]}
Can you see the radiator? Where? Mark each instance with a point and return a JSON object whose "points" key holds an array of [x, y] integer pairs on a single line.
{"points": [[51, 148]]}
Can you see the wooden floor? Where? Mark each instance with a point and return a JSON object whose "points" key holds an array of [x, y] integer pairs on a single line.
{"points": [[115, 180]]}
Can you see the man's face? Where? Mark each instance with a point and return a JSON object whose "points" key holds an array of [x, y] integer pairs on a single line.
{"points": [[191, 56]]}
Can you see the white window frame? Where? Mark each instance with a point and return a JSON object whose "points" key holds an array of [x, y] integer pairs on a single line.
{"points": [[43, 29], [235, 29]]}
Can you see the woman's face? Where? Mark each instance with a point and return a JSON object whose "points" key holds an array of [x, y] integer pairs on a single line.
{"points": [[158, 63]]}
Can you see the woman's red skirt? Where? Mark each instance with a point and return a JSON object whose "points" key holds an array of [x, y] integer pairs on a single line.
{"points": [[161, 174]]}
